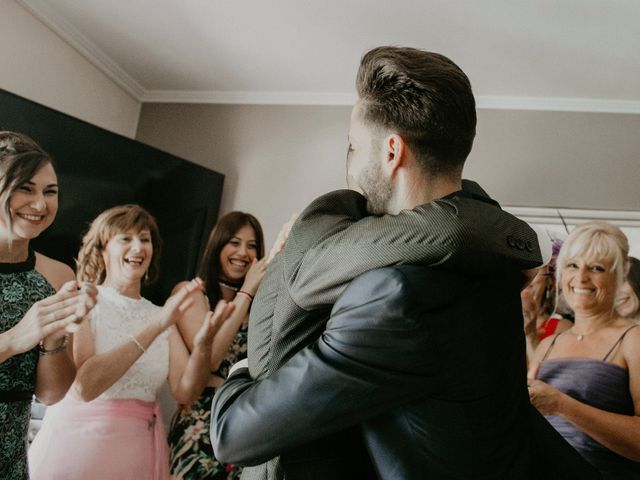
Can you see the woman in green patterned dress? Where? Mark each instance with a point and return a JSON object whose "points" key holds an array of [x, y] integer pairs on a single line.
{"points": [[39, 299], [232, 267]]}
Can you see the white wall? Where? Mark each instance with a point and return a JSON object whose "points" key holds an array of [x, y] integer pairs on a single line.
{"points": [[38, 65], [275, 159]]}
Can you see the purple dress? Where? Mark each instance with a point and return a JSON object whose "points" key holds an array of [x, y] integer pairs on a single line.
{"points": [[602, 385]]}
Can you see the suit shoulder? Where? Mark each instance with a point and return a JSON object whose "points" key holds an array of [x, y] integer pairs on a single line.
{"points": [[335, 202]]}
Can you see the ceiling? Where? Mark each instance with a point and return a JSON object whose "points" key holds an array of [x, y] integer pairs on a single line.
{"points": [[576, 55]]}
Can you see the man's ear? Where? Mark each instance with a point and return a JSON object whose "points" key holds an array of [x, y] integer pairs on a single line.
{"points": [[396, 152]]}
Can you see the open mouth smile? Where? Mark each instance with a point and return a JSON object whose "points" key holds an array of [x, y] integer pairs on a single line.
{"points": [[134, 261], [34, 219], [239, 263], [582, 291]]}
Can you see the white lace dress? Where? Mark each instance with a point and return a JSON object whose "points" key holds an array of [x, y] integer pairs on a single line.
{"points": [[119, 435], [113, 320]]}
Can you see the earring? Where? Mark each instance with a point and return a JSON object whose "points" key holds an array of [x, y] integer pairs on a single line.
{"points": [[146, 276]]}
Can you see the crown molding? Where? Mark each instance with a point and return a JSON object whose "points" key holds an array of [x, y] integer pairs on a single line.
{"points": [[47, 15], [250, 98], [43, 12], [557, 104], [572, 216], [339, 99]]}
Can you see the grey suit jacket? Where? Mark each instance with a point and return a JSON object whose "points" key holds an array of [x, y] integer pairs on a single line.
{"points": [[333, 241]]}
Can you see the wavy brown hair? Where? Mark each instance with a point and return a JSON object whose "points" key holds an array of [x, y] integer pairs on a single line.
{"points": [[210, 268], [20, 160], [111, 222]]}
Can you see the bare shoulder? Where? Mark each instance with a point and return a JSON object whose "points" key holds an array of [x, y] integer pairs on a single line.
{"points": [[631, 342], [563, 325], [200, 300], [542, 348], [56, 273]]}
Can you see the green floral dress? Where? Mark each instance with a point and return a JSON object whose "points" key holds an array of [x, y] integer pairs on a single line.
{"points": [[191, 452], [20, 287]]}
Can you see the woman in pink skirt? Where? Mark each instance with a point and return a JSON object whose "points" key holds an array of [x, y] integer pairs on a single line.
{"points": [[109, 426]]}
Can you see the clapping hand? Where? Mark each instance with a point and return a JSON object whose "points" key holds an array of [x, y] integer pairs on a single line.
{"points": [[52, 318], [178, 303], [211, 324], [283, 235], [254, 276]]}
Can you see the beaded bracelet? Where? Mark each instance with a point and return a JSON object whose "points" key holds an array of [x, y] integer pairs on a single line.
{"points": [[61, 348]]}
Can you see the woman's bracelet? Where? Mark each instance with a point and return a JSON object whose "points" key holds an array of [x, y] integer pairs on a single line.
{"points": [[249, 296], [137, 342], [60, 348]]}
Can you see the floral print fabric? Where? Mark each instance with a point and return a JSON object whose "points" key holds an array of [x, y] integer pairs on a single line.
{"points": [[19, 290], [191, 451]]}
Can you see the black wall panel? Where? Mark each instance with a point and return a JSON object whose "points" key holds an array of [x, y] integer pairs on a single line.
{"points": [[98, 169]]}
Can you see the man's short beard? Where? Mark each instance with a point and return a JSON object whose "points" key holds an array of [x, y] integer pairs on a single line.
{"points": [[376, 188]]}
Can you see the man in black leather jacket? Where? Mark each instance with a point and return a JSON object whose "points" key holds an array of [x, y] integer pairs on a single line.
{"points": [[429, 362]]}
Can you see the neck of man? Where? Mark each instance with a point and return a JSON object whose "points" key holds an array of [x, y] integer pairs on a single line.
{"points": [[414, 188]]}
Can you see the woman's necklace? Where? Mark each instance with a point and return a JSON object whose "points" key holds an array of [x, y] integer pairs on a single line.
{"points": [[580, 336], [230, 286]]}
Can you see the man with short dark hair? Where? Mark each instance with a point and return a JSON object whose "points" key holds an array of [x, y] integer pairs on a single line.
{"points": [[427, 361]]}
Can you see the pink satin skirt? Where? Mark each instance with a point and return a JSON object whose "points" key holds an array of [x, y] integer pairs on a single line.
{"points": [[100, 440]]}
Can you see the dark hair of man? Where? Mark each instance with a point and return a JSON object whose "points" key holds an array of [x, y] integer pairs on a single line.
{"points": [[227, 226], [20, 160], [425, 98]]}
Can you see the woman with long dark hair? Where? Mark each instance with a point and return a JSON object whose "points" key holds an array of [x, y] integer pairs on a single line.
{"points": [[232, 267]]}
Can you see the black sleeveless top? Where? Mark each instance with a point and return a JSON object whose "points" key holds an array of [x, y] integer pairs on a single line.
{"points": [[602, 385]]}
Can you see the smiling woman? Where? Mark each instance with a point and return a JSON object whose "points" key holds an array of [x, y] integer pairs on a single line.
{"points": [[124, 354], [34, 329], [584, 379], [232, 268]]}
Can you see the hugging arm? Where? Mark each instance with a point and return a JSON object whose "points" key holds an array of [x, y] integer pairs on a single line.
{"points": [[353, 372], [453, 230]]}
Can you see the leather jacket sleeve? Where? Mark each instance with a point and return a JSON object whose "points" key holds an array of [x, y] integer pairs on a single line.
{"points": [[353, 372]]}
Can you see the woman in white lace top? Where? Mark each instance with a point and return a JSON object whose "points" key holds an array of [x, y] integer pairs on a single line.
{"points": [[108, 425]]}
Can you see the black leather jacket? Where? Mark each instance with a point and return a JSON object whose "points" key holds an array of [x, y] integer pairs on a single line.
{"points": [[430, 363]]}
